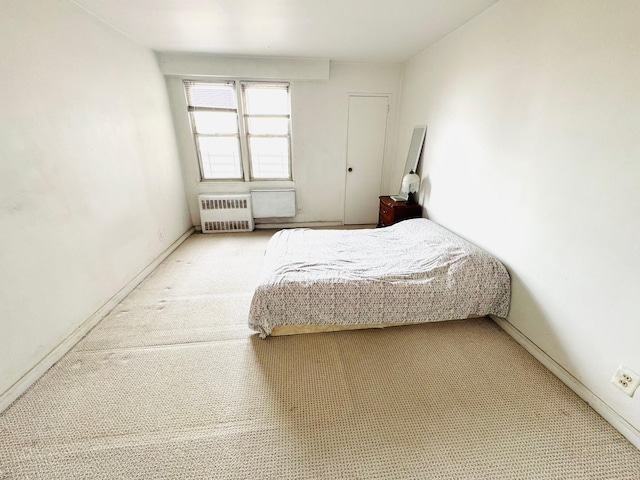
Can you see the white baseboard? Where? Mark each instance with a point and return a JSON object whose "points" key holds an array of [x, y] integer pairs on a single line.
{"points": [[620, 424], [18, 388]]}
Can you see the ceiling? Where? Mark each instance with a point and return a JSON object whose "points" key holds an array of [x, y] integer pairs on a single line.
{"points": [[343, 30]]}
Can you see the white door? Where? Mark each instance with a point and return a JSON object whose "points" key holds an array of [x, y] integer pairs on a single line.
{"points": [[366, 137]]}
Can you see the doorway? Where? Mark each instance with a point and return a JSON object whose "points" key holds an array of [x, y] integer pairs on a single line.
{"points": [[366, 140]]}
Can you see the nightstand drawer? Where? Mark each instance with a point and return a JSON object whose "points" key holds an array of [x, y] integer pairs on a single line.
{"points": [[385, 218], [386, 211]]}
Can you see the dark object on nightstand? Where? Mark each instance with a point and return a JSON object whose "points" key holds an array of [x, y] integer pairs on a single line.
{"points": [[392, 211]]}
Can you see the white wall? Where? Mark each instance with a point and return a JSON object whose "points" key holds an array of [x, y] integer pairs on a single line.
{"points": [[89, 173], [533, 152], [319, 110]]}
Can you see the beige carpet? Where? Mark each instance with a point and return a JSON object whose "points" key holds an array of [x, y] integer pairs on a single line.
{"points": [[173, 385]]}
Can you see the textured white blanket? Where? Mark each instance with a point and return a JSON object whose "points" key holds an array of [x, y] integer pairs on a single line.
{"points": [[412, 272]]}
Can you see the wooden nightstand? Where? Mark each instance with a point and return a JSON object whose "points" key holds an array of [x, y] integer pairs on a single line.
{"points": [[393, 212]]}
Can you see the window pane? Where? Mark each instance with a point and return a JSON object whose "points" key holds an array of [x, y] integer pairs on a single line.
{"points": [[267, 100], [220, 157], [269, 157], [268, 126], [211, 95], [215, 122]]}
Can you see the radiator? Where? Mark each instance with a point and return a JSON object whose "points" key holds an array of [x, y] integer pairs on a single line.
{"points": [[274, 203], [225, 213]]}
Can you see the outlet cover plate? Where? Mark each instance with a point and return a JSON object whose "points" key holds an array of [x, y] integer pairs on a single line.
{"points": [[626, 380]]}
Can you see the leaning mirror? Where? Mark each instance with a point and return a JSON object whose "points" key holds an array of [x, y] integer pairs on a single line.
{"points": [[413, 157]]}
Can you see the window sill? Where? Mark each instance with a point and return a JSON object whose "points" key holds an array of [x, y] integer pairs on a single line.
{"points": [[235, 186]]}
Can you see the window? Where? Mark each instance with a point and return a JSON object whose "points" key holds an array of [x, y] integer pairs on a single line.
{"points": [[228, 148], [213, 109], [267, 122]]}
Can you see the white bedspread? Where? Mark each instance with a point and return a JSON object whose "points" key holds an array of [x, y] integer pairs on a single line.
{"points": [[412, 272]]}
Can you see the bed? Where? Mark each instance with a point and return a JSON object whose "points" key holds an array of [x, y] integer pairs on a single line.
{"points": [[412, 272]]}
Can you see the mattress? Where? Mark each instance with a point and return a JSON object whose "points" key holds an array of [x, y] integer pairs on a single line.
{"points": [[412, 272]]}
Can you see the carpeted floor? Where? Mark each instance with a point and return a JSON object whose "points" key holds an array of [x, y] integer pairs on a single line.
{"points": [[173, 385]]}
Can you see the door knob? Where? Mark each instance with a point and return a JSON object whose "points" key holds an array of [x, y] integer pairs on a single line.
{"points": [[349, 169]]}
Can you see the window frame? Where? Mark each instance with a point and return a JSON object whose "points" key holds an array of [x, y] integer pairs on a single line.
{"points": [[243, 136], [247, 136], [192, 125]]}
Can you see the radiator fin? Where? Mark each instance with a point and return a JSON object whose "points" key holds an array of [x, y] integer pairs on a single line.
{"points": [[222, 203], [238, 225]]}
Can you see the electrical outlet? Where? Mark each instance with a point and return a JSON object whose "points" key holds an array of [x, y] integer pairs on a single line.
{"points": [[626, 380], [160, 235]]}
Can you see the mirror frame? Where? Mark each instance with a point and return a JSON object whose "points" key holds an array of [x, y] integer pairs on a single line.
{"points": [[415, 149]]}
